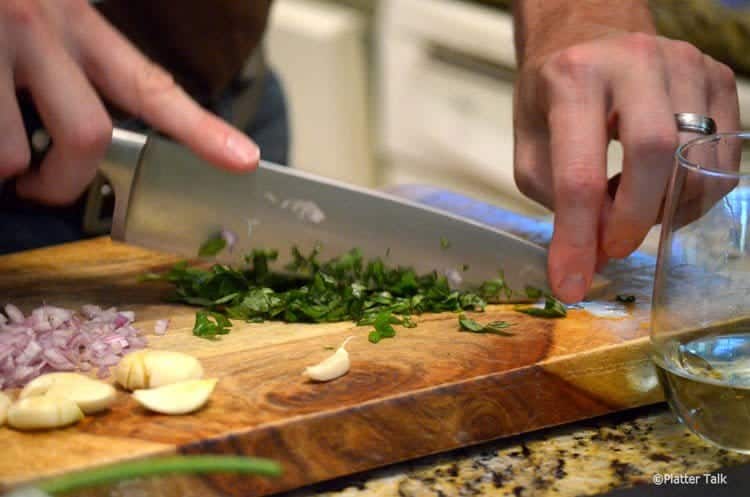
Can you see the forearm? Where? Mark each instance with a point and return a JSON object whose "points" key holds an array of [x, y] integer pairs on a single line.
{"points": [[544, 26]]}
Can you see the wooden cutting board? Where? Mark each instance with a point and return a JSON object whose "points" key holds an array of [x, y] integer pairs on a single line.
{"points": [[430, 389]]}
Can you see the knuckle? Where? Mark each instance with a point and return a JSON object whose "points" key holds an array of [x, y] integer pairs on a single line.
{"points": [[74, 9], [658, 142], [575, 63], [23, 14], [725, 79], [686, 53], [89, 137], [580, 187], [642, 44], [152, 83]]}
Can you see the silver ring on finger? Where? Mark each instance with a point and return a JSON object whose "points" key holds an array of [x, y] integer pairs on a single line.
{"points": [[695, 123]]}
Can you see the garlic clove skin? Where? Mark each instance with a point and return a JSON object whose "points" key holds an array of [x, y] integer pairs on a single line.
{"points": [[176, 398], [332, 367], [4, 405], [155, 368], [43, 413]]}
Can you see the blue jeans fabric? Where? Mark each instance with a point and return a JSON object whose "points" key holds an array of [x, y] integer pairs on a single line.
{"points": [[24, 225]]}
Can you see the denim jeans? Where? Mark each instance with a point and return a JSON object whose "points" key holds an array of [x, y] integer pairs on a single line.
{"points": [[25, 225]]}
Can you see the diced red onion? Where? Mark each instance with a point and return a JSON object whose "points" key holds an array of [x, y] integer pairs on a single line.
{"points": [[56, 339], [14, 314], [160, 326]]}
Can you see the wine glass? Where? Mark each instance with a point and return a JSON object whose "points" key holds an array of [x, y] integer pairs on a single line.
{"points": [[700, 316]]}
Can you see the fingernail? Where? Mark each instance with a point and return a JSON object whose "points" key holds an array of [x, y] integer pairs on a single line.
{"points": [[574, 285], [242, 149]]}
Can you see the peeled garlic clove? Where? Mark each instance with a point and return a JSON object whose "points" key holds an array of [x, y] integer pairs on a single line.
{"points": [[332, 367], [41, 384], [176, 398], [155, 368], [91, 396], [44, 412], [164, 368], [4, 404]]}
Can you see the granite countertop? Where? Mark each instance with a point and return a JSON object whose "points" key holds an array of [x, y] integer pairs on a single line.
{"points": [[586, 458]]}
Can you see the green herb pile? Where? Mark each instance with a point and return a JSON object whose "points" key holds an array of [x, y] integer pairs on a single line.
{"points": [[341, 289]]}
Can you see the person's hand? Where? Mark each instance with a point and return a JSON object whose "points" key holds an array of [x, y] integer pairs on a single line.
{"points": [[66, 55], [570, 101]]}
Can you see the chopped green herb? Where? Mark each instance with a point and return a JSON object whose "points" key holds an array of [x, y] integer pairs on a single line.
{"points": [[444, 243], [209, 324], [553, 308], [496, 327], [212, 246], [495, 290], [625, 299], [343, 288]]}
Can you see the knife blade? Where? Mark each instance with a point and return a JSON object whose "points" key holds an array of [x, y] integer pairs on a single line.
{"points": [[168, 199]]}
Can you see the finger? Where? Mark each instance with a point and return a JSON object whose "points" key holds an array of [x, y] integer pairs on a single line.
{"points": [[601, 257], [723, 102], [531, 161], [140, 87], [14, 150], [72, 114], [578, 146], [648, 134], [724, 107]]}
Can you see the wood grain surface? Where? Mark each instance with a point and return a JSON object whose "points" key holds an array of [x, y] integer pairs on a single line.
{"points": [[430, 389]]}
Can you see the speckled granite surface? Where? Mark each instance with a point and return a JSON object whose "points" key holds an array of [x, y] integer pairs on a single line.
{"points": [[587, 458]]}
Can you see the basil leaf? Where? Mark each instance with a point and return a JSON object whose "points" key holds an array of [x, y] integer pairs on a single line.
{"points": [[495, 327], [553, 308]]}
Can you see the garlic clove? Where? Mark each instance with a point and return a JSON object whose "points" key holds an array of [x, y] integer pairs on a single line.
{"points": [[41, 384], [43, 412], [4, 404], [91, 396], [155, 368], [164, 367], [176, 398], [332, 367]]}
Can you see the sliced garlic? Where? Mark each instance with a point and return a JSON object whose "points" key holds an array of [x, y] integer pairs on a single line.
{"points": [[4, 404], [331, 367], [44, 412], [156, 368], [176, 398], [90, 395]]}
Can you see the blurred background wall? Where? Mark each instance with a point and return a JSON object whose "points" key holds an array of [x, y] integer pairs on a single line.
{"points": [[420, 91]]}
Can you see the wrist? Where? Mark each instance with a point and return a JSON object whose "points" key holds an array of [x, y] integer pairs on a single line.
{"points": [[546, 26]]}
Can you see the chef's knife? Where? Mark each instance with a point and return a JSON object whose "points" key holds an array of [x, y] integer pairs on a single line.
{"points": [[168, 199]]}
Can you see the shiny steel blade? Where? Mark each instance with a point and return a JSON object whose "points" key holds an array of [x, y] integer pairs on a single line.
{"points": [[175, 202]]}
